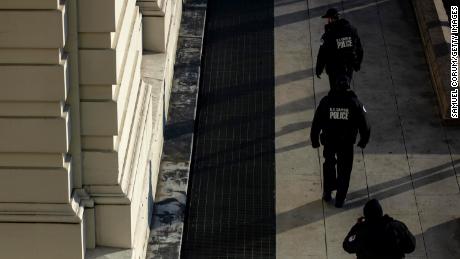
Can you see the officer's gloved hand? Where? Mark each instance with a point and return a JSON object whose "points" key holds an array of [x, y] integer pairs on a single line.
{"points": [[315, 144], [361, 144], [357, 67]]}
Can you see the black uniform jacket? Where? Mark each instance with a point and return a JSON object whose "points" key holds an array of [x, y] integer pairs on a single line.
{"points": [[385, 239], [340, 48], [339, 117]]}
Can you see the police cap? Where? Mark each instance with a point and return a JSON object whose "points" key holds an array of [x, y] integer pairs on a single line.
{"points": [[331, 13]]}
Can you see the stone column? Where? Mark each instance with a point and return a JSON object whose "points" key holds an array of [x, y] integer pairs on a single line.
{"points": [[155, 22], [116, 120], [161, 23]]}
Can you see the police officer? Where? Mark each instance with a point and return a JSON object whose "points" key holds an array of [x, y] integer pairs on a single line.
{"points": [[341, 51], [338, 118], [378, 236]]}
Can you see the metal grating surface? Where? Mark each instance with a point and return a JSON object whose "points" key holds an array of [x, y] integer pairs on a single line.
{"points": [[231, 206]]}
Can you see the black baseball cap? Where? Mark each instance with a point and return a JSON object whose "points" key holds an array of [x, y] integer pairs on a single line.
{"points": [[373, 210], [331, 13]]}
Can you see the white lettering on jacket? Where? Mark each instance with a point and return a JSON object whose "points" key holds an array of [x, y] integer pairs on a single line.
{"points": [[344, 42], [338, 113]]}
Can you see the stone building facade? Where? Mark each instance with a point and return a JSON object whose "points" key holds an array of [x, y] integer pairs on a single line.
{"points": [[84, 89]]}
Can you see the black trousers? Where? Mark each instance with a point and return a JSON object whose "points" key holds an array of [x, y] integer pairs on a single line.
{"points": [[340, 156], [334, 75]]}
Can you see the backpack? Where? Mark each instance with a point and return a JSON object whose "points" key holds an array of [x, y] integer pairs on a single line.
{"points": [[399, 237]]}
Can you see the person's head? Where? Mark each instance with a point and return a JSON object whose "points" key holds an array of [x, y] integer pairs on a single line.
{"points": [[372, 210], [331, 15], [342, 83]]}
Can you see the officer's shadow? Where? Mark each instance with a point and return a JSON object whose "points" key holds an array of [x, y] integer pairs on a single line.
{"points": [[312, 212], [442, 240]]}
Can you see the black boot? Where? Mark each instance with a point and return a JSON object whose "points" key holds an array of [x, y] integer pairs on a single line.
{"points": [[339, 203], [327, 196]]}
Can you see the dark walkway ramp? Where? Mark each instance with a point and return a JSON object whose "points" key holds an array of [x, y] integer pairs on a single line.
{"points": [[231, 206]]}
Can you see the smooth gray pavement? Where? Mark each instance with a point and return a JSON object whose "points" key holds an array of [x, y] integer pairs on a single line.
{"points": [[412, 163]]}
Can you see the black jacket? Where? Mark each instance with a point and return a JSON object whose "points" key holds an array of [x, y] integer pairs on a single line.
{"points": [[340, 48], [384, 239], [339, 117]]}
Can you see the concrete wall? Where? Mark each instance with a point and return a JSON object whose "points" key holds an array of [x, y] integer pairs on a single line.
{"points": [[81, 122]]}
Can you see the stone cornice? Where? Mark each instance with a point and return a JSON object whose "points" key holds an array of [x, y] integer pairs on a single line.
{"points": [[152, 7], [71, 212], [171, 195]]}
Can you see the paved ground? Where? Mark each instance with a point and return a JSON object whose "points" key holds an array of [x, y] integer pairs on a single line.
{"points": [[412, 161]]}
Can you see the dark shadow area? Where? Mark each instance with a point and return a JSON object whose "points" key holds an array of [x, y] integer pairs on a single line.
{"points": [[175, 130], [447, 5], [293, 146], [292, 128], [234, 125], [279, 3], [299, 105], [230, 209], [317, 12], [226, 152], [230, 92], [443, 241], [294, 76], [304, 215]]}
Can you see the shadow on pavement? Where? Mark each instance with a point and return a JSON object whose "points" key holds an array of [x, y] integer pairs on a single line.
{"points": [[293, 146], [279, 3], [310, 212], [293, 127], [443, 240], [298, 105], [294, 76], [316, 12]]}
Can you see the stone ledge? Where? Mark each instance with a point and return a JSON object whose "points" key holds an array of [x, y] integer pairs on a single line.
{"points": [[108, 253], [196, 3], [193, 22], [435, 37], [171, 196]]}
